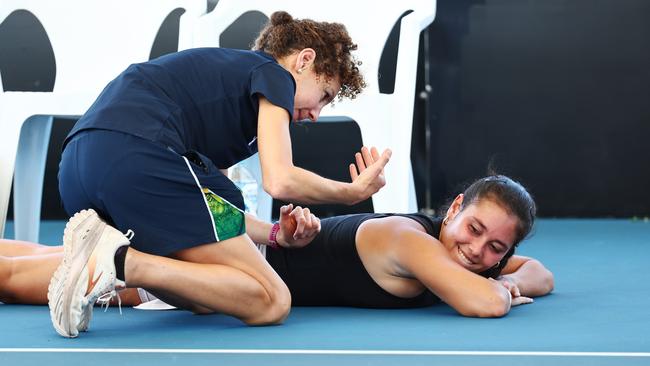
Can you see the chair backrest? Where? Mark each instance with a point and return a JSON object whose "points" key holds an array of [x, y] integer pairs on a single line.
{"points": [[385, 119], [93, 41]]}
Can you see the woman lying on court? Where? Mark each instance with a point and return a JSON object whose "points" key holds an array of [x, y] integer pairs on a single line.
{"points": [[376, 260]]}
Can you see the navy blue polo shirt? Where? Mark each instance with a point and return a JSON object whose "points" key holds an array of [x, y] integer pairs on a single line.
{"points": [[203, 99]]}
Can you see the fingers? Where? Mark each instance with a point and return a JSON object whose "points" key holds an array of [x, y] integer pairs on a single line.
{"points": [[375, 153], [313, 228], [286, 209], [385, 157], [521, 300], [514, 290], [316, 222], [359, 159], [353, 172], [298, 215], [367, 157], [307, 224], [511, 286]]}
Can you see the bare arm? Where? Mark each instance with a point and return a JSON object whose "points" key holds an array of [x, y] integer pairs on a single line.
{"points": [[283, 180], [529, 275], [298, 227], [418, 255]]}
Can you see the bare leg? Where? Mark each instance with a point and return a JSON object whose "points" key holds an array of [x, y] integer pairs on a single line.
{"points": [[230, 277], [15, 248], [24, 279]]}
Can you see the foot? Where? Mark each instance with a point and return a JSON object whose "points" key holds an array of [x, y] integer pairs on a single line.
{"points": [[89, 246]]}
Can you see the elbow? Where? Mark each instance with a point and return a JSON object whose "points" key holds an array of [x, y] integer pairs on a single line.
{"points": [[549, 283], [277, 188], [494, 307], [496, 310]]}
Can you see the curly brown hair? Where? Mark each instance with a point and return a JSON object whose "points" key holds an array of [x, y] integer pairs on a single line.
{"points": [[283, 35]]}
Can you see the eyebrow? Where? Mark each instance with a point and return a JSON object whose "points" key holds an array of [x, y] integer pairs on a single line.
{"points": [[505, 246]]}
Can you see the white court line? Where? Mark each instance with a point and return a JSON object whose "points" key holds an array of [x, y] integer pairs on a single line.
{"points": [[327, 352]]}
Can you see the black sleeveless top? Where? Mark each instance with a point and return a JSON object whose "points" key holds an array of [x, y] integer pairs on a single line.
{"points": [[329, 272]]}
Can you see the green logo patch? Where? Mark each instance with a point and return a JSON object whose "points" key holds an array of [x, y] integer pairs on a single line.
{"points": [[229, 221]]}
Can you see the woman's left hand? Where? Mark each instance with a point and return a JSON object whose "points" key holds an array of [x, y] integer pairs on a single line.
{"points": [[368, 173], [298, 226], [512, 287]]}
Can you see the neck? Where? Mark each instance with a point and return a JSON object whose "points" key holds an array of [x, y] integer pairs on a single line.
{"points": [[288, 62]]}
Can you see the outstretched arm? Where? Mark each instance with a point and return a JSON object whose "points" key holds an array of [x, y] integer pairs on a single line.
{"points": [[283, 180], [416, 255], [529, 275]]}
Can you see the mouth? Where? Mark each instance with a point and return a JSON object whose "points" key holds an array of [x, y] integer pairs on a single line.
{"points": [[463, 258]]}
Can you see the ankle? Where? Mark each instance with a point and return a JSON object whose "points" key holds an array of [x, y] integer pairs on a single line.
{"points": [[6, 269], [120, 261]]}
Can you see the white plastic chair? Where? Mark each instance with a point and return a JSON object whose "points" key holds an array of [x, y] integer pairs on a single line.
{"points": [[93, 41], [385, 120]]}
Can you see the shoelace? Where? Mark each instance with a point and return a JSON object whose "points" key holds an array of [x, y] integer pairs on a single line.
{"points": [[105, 300]]}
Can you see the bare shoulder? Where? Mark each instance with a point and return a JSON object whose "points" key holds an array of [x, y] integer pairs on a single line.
{"points": [[383, 243], [390, 226], [396, 239]]}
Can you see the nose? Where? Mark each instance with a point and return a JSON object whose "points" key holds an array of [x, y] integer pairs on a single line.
{"points": [[313, 114], [475, 250]]}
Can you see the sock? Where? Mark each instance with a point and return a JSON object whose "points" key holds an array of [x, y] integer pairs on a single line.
{"points": [[120, 258]]}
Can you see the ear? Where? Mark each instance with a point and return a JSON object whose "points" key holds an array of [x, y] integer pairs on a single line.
{"points": [[305, 59], [455, 206]]}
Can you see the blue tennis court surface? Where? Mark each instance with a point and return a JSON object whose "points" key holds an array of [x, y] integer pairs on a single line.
{"points": [[599, 314]]}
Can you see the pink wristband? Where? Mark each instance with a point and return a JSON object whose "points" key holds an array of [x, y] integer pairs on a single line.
{"points": [[273, 242]]}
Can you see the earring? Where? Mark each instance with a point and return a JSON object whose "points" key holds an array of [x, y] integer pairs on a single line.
{"points": [[300, 70], [446, 220]]}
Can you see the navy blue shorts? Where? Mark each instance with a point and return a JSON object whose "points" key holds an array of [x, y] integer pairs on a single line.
{"points": [[171, 200]]}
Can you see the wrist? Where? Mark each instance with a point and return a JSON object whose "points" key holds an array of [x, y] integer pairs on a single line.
{"points": [[352, 194], [512, 279], [273, 236]]}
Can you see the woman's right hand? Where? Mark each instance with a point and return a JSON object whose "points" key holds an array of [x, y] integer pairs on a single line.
{"points": [[368, 172], [515, 294], [298, 226]]}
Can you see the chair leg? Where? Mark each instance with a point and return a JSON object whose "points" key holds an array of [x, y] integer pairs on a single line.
{"points": [[264, 200], [8, 149], [28, 176]]}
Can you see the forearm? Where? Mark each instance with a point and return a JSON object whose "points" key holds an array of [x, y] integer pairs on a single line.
{"points": [[300, 185], [257, 229], [532, 279], [487, 300]]}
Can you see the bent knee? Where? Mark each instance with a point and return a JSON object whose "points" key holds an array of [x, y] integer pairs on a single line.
{"points": [[274, 315], [275, 311]]}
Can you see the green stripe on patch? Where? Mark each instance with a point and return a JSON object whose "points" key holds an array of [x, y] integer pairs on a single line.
{"points": [[229, 221]]}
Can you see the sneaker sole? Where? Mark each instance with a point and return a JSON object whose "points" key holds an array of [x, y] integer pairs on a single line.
{"points": [[65, 282]]}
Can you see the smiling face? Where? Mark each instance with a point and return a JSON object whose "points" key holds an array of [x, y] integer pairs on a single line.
{"points": [[479, 235]]}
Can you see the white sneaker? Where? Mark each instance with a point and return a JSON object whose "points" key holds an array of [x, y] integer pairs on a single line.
{"points": [[88, 243]]}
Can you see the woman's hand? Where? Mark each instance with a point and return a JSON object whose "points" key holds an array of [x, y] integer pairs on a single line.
{"points": [[298, 226], [512, 287], [368, 172]]}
